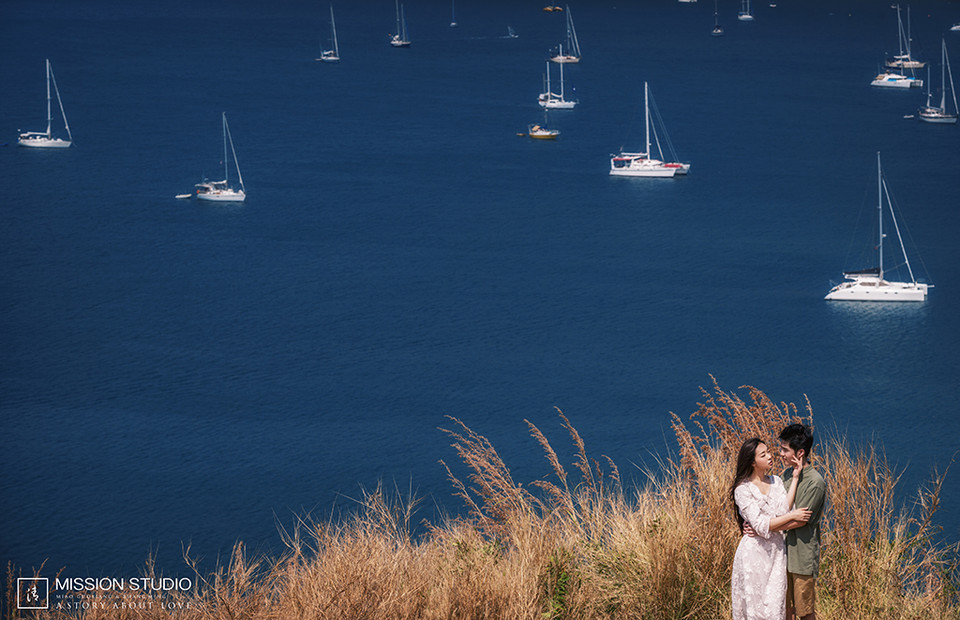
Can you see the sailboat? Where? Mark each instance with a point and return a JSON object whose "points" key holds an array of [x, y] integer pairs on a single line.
{"points": [[220, 191], [552, 100], [869, 284], [641, 164], [334, 54], [745, 15], [931, 114], [44, 139], [511, 33], [573, 45], [400, 39], [904, 60], [542, 132], [453, 13], [717, 28]]}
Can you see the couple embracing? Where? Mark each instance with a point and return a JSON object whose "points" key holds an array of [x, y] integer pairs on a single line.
{"points": [[776, 564]]}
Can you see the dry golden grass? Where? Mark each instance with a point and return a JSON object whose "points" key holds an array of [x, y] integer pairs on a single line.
{"points": [[581, 546]]}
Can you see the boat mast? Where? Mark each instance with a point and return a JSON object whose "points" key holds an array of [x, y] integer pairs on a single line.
{"points": [[226, 132], [953, 92], [880, 210], [646, 117], [397, 2], [333, 24], [909, 35], [225, 169], [48, 98], [900, 35], [561, 73]]}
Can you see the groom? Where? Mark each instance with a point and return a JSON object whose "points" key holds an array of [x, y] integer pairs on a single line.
{"points": [[803, 543]]}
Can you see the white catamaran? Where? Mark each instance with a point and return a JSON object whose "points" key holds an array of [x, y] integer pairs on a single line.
{"points": [[334, 54], [889, 79], [44, 139], [641, 164], [400, 39], [869, 284], [552, 100], [220, 191], [933, 114], [573, 45]]}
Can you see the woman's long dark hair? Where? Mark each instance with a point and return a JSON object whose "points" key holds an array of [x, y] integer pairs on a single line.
{"points": [[748, 453]]}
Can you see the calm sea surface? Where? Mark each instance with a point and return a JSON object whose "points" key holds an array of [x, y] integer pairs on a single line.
{"points": [[177, 373]]}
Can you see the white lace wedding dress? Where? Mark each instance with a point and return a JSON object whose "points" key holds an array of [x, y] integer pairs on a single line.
{"points": [[759, 583]]}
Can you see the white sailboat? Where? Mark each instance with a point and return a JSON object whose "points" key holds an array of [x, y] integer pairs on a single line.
{"points": [[931, 114], [573, 45], [220, 191], [904, 60], [745, 15], [44, 139], [869, 284], [717, 28], [511, 33], [552, 100], [334, 54], [642, 164], [400, 39], [453, 13]]}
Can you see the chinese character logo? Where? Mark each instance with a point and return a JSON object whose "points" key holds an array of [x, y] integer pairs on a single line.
{"points": [[33, 593]]}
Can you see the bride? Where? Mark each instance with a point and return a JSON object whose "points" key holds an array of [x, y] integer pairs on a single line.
{"points": [[759, 581]]}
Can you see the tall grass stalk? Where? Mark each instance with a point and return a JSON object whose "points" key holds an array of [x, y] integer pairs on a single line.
{"points": [[577, 544]]}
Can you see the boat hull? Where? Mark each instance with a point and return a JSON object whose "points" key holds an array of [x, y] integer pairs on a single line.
{"points": [[223, 196], [556, 104], [565, 59], [644, 169], [44, 143], [902, 82], [878, 291], [936, 115]]}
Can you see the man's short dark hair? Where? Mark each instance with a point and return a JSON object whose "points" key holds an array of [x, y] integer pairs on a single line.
{"points": [[799, 437]]}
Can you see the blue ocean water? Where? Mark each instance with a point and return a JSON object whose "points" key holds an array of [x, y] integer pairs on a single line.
{"points": [[175, 373]]}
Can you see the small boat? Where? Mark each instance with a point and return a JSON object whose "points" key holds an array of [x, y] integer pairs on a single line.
{"points": [[511, 33], [552, 100], [869, 284], [904, 60], [745, 15], [220, 191], [939, 114], [573, 45], [548, 9], [334, 54], [453, 13], [183, 196], [641, 164], [401, 39], [717, 28], [542, 132], [44, 139], [955, 27], [888, 79]]}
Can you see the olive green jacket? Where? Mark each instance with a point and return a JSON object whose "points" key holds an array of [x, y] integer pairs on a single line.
{"points": [[803, 543]]}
